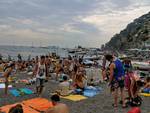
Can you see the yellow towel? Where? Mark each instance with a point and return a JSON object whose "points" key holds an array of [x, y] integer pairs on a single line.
{"points": [[145, 94], [75, 97]]}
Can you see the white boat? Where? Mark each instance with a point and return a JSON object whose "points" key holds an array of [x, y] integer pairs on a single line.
{"points": [[92, 57], [88, 62], [141, 65]]}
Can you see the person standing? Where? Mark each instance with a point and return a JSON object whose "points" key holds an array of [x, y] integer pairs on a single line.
{"points": [[40, 76], [7, 73], [116, 79]]}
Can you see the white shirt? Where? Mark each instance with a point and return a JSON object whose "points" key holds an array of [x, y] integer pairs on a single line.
{"points": [[41, 72], [65, 88]]}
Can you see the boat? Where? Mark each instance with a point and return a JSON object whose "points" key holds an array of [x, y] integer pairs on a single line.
{"points": [[141, 65]]}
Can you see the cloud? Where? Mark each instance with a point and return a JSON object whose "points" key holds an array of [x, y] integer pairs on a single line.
{"points": [[4, 27], [70, 28], [114, 22], [66, 22]]}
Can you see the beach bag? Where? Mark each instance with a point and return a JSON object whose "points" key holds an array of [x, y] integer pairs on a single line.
{"points": [[136, 101]]}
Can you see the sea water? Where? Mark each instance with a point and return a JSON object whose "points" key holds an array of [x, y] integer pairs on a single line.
{"points": [[13, 51]]}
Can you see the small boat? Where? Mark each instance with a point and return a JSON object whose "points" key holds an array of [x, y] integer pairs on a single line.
{"points": [[92, 57], [141, 65]]}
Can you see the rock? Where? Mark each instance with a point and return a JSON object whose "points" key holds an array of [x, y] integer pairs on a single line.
{"points": [[134, 36]]}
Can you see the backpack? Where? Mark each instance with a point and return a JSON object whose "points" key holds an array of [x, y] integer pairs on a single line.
{"points": [[136, 101]]}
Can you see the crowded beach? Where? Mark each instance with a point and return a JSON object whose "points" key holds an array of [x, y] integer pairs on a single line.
{"points": [[51, 84]]}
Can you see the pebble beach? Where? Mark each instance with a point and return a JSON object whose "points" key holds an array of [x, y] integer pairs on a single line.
{"points": [[101, 103]]}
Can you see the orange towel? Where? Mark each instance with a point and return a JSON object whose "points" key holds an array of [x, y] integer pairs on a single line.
{"points": [[39, 104], [26, 109]]}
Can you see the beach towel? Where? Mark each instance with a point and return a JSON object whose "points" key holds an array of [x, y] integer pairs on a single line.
{"points": [[92, 91], [145, 94], [21, 92], [39, 104], [2, 86], [24, 81], [74, 97], [15, 92], [26, 91], [146, 90], [26, 109]]}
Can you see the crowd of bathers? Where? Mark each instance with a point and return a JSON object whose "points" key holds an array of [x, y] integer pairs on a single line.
{"points": [[71, 75]]}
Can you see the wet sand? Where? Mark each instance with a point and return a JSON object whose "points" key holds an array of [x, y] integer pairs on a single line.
{"points": [[102, 103]]}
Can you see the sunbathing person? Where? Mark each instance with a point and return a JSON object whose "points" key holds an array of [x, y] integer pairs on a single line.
{"points": [[64, 87], [58, 107]]}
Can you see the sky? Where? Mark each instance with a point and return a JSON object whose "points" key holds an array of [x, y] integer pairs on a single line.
{"points": [[66, 23]]}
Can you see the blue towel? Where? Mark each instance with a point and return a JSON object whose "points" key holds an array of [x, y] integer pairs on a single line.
{"points": [[15, 92], [89, 93], [92, 91], [146, 90], [26, 91]]}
